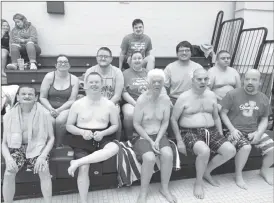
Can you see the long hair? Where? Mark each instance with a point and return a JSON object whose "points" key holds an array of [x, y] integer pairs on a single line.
{"points": [[20, 16], [4, 21]]}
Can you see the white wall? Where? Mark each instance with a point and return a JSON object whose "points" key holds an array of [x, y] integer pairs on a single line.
{"points": [[86, 26]]}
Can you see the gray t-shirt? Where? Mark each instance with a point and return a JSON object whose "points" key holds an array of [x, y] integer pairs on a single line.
{"points": [[178, 77], [244, 110], [132, 43]]}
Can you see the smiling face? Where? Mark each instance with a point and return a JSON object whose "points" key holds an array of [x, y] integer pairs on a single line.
{"points": [[5, 27], [138, 29], [62, 64], [184, 53], [104, 58], [94, 84], [137, 61], [26, 95]]}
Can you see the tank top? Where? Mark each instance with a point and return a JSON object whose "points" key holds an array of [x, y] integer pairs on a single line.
{"points": [[58, 97]]}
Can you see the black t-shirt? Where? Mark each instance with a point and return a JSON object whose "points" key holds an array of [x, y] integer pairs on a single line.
{"points": [[5, 41]]}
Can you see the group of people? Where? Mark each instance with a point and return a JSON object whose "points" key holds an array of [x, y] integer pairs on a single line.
{"points": [[184, 96]]}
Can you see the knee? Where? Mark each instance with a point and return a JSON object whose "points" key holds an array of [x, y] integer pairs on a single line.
{"points": [[229, 151], [202, 150], [246, 148], [14, 48], [128, 111], [10, 173], [60, 120], [167, 153], [5, 54], [149, 158], [44, 175]]}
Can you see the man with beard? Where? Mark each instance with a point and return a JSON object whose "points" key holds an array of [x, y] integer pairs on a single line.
{"points": [[136, 41], [178, 74], [27, 140], [92, 123], [245, 113], [200, 130]]}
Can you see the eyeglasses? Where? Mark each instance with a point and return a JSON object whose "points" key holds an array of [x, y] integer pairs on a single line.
{"points": [[225, 58], [62, 62], [184, 51], [103, 56]]}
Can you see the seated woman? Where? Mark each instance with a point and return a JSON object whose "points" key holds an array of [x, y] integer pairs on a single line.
{"points": [[23, 39], [59, 90], [5, 47], [222, 77], [150, 120]]}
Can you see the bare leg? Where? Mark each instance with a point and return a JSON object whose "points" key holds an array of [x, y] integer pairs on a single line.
{"points": [[46, 185], [83, 183], [128, 111], [150, 62], [203, 152], [108, 151], [146, 173], [9, 186], [166, 169], [267, 163], [240, 161], [5, 54], [60, 127], [225, 152]]}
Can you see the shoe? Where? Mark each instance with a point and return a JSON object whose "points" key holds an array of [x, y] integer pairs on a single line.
{"points": [[33, 66], [12, 66]]}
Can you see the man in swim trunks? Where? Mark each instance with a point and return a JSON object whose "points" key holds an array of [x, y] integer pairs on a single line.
{"points": [[150, 120], [222, 77], [27, 140], [245, 113], [200, 130], [92, 124]]}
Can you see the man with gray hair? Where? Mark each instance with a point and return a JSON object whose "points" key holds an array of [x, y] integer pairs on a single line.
{"points": [[150, 120], [200, 130], [245, 113]]}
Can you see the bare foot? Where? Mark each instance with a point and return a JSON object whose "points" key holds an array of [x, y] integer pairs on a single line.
{"points": [[267, 177], [142, 199], [198, 191], [169, 197], [73, 167], [240, 182], [209, 179]]}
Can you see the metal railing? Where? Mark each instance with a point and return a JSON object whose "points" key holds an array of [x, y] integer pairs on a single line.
{"points": [[248, 49], [265, 64], [218, 22], [228, 35]]}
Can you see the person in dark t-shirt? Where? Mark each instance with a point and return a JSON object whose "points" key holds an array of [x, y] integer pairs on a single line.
{"points": [[245, 113]]}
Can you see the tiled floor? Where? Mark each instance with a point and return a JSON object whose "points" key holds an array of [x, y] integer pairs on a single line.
{"points": [[258, 192]]}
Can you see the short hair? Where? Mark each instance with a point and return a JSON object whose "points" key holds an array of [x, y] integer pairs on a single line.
{"points": [[253, 70], [155, 72], [62, 55], [4, 21], [221, 52], [184, 44], [93, 73], [105, 49], [26, 86], [136, 52], [137, 21], [195, 72]]}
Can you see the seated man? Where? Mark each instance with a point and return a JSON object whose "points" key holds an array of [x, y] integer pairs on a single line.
{"points": [[200, 130], [245, 113], [28, 138], [151, 116], [91, 138], [137, 41], [178, 73], [222, 77]]}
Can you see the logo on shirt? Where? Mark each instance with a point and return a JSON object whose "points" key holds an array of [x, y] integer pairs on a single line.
{"points": [[108, 88], [248, 108], [138, 46]]}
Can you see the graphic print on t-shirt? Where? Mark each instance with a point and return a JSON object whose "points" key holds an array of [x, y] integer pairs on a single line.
{"points": [[138, 46], [248, 108], [108, 88], [140, 84]]}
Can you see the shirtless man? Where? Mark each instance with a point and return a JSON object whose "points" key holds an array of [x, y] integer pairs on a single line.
{"points": [[27, 141], [222, 77], [200, 130], [92, 122], [245, 113], [150, 120]]}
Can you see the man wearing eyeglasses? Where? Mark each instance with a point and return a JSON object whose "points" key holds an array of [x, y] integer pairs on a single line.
{"points": [[136, 41], [179, 73]]}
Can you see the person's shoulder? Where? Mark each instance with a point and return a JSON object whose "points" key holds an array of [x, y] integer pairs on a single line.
{"points": [[212, 70], [164, 98], [185, 95], [49, 76], [195, 64], [263, 97], [78, 102], [209, 93], [74, 78], [236, 92], [172, 64], [116, 70], [146, 36], [128, 36], [107, 103], [127, 72]]}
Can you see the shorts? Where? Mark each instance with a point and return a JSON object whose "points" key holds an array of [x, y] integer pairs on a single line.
{"points": [[264, 145], [210, 136], [84, 147], [142, 146], [19, 156]]}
